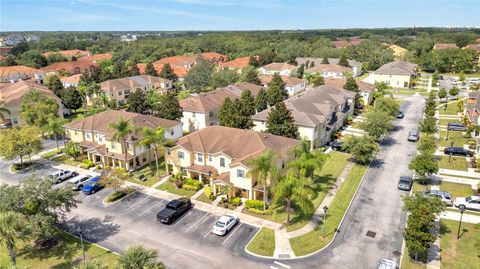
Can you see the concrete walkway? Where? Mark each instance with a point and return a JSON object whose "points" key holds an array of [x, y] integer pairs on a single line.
{"points": [[470, 218], [470, 173], [318, 215], [468, 181]]}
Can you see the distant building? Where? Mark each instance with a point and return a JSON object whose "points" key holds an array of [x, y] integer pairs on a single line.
{"points": [[11, 98], [96, 58], [398, 52], [70, 68], [69, 53], [396, 74], [236, 64], [280, 68], [20, 72], [441, 46], [366, 89], [293, 86], [72, 80], [331, 69], [343, 43]]}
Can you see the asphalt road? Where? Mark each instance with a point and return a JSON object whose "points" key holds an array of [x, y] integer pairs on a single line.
{"points": [[187, 243]]}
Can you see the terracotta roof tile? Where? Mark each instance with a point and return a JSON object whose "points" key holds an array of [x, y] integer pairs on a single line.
{"points": [[241, 62], [12, 94], [68, 53], [289, 81], [97, 57]]}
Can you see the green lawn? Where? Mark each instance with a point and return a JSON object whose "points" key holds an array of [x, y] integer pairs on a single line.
{"points": [[65, 159], [456, 189], [470, 212], [331, 170], [456, 137], [170, 187], [149, 172], [459, 176], [203, 198], [420, 187], [50, 154], [456, 163], [66, 254], [409, 263], [452, 109], [314, 240], [447, 121], [463, 252], [472, 75], [263, 243], [79, 114]]}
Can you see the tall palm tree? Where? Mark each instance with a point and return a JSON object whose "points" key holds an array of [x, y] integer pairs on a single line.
{"points": [[12, 230], [55, 126], [154, 139], [139, 257], [307, 161], [90, 264], [293, 190], [263, 169], [123, 128]]}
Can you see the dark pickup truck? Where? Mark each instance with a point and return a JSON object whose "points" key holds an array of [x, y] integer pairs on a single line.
{"points": [[174, 209]]}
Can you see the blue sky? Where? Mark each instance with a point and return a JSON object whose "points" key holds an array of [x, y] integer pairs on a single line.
{"points": [[109, 15]]}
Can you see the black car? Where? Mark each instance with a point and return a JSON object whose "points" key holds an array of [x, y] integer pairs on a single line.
{"points": [[336, 145], [458, 151], [174, 209], [452, 126], [400, 115]]}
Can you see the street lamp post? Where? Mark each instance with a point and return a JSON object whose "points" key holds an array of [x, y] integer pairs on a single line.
{"points": [[81, 242], [325, 208], [460, 223]]}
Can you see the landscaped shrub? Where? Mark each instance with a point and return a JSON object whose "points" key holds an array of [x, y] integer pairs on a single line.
{"points": [[178, 183], [189, 187], [193, 182], [207, 191], [86, 164], [257, 204], [259, 211], [235, 201]]}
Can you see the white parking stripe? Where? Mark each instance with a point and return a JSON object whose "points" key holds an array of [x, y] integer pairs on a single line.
{"points": [[231, 233], [137, 203], [281, 264], [207, 234], [146, 210], [196, 222], [273, 267]]}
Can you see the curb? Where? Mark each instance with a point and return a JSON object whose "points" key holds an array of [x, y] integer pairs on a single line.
{"points": [[258, 255], [88, 241], [10, 169], [116, 201]]}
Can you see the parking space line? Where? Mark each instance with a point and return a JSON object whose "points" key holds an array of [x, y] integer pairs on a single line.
{"points": [[231, 233], [137, 203], [281, 264], [196, 222], [207, 234], [273, 267], [148, 209]]}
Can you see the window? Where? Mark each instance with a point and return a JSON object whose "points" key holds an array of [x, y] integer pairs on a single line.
{"points": [[144, 159], [119, 92], [199, 157], [100, 138], [87, 135], [180, 154], [113, 144], [169, 151], [210, 114], [172, 131], [240, 173], [398, 82], [210, 157], [222, 162], [193, 115], [15, 121]]}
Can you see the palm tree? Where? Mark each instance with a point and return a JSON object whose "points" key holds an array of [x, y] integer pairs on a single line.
{"points": [[263, 169], [155, 139], [307, 161], [90, 264], [122, 128], [12, 230], [139, 257], [55, 126], [293, 190]]}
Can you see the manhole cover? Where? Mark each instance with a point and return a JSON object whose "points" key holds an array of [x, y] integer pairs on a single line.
{"points": [[371, 234], [396, 253]]}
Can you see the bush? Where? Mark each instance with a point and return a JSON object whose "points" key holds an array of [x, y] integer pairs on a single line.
{"points": [[235, 201], [259, 211], [189, 187], [207, 191], [193, 182], [178, 183], [256, 204], [117, 195], [86, 163]]}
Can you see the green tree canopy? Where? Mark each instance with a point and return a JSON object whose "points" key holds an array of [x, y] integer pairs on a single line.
{"points": [[54, 84], [261, 101], [424, 164], [363, 148], [37, 109], [168, 107], [167, 73], [72, 98], [429, 125], [139, 257], [150, 69], [276, 90], [198, 78], [387, 104], [280, 122], [377, 123], [224, 78], [137, 102], [250, 74]]}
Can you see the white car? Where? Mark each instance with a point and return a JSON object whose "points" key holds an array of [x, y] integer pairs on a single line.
{"points": [[225, 224], [470, 202], [61, 175], [388, 264], [79, 181]]}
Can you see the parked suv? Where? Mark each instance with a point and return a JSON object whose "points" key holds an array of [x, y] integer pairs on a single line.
{"points": [[452, 126], [79, 181], [413, 135], [470, 202], [61, 175], [458, 151], [445, 197], [174, 209]]}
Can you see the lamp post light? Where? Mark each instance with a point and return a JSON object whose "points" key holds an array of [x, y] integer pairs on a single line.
{"points": [[460, 223], [325, 208], [81, 242]]}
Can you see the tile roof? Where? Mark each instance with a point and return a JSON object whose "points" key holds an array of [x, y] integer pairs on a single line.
{"points": [[99, 122], [343, 43], [72, 66], [475, 47], [18, 69], [442, 46], [340, 82], [289, 81], [397, 68], [318, 61], [179, 71], [312, 107], [214, 56], [212, 100], [97, 57], [240, 62], [181, 60], [68, 53], [328, 68], [74, 79], [12, 94], [278, 67], [134, 82], [2, 57], [238, 144]]}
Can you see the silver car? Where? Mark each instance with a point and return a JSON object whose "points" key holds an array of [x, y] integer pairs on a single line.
{"points": [[445, 197], [225, 224], [79, 181]]}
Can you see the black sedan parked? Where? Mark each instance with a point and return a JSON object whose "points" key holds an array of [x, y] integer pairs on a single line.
{"points": [[458, 152]]}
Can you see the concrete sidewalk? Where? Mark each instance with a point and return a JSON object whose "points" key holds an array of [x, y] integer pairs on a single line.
{"points": [[456, 216]]}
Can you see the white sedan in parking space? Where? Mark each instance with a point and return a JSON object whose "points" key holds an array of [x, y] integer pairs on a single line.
{"points": [[471, 202], [225, 224]]}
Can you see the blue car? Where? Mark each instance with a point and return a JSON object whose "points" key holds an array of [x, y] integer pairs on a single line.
{"points": [[92, 186]]}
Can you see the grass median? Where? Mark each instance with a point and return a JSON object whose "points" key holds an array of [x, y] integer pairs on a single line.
{"points": [[456, 189], [455, 163], [170, 187], [263, 243], [314, 240], [67, 254], [463, 252]]}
